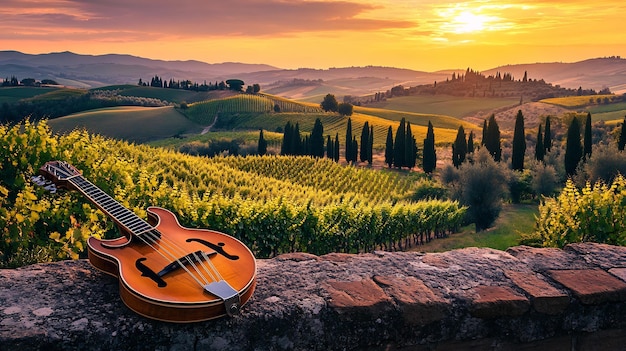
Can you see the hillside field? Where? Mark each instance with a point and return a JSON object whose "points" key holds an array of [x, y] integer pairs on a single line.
{"points": [[130, 123], [15, 94], [246, 112], [454, 106]]}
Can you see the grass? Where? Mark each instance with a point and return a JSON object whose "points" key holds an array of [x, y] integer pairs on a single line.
{"points": [[514, 220], [454, 106], [420, 119], [59, 94], [130, 123], [14, 94], [575, 101], [609, 116]]}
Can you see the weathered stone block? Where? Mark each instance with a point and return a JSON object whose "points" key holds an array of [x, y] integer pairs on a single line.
{"points": [[619, 272], [357, 296], [602, 255], [497, 301], [591, 286], [543, 259], [545, 298], [418, 303]]}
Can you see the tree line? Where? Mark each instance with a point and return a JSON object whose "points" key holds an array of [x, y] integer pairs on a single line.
{"points": [[28, 82], [230, 84]]}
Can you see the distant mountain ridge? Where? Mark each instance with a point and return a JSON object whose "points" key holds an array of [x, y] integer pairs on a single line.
{"points": [[99, 70]]}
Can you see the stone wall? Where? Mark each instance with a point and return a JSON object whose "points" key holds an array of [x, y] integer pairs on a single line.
{"points": [[524, 298]]}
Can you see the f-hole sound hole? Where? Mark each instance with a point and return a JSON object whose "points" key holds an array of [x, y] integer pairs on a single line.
{"points": [[149, 273], [219, 248]]}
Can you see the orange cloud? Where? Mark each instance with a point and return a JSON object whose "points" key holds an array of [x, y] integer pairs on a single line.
{"points": [[187, 18]]}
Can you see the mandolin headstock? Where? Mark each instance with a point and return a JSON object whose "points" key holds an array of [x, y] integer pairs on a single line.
{"points": [[59, 173]]}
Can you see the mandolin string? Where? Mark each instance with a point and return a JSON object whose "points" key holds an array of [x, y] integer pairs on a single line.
{"points": [[84, 192], [175, 259], [157, 242], [163, 242]]}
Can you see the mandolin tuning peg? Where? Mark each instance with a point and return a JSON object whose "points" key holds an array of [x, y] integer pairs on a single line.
{"points": [[51, 188], [39, 180], [45, 183]]}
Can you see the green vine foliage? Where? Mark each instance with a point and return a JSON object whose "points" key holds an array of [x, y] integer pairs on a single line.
{"points": [[274, 204], [594, 213]]}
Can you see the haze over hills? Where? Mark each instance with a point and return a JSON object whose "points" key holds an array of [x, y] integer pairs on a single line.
{"points": [[596, 73], [90, 71]]}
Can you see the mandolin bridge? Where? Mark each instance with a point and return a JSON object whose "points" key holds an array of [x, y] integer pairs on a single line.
{"points": [[193, 257]]}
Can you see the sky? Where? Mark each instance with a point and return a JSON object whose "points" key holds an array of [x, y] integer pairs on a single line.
{"points": [[420, 35]]}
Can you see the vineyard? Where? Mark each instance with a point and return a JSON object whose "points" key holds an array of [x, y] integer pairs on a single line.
{"points": [[205, 112], [595, 213], [273, 204]]}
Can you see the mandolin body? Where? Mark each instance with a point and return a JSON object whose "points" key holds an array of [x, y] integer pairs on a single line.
{"points": [[174, 296]]}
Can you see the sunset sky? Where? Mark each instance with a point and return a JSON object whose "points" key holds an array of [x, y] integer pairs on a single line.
{"points": [[421, 35]]}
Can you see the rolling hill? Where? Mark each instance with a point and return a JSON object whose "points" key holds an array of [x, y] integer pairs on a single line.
{"points": [[90, 71], [130, 123]]}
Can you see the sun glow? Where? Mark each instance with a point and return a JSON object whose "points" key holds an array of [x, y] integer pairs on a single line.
{"points": [[468, 22]]}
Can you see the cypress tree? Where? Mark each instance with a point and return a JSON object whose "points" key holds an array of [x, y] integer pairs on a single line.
{"points": [[413, 158], [355, 150], [429, 159], [547, 137], [298, 145], [519, 143], [262, 147], [306, 146], [493, 139], [336, 148], [539, 149], [317, 139], [459, 149], [621, 143], [365, 141], [470, 143], [409, 147], [573, 148], [587, 141], [329, 148], [399, 148], [286, 146], [349, 141], [389, 147], [370, 152]]}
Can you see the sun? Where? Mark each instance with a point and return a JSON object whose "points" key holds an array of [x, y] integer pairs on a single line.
{"points": [[469, 22]]}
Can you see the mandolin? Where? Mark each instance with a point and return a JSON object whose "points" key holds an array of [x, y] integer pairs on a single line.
{"points": [[166, 272]]}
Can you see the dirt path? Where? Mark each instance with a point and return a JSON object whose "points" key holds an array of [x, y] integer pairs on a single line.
{"points": [[208, 128]]}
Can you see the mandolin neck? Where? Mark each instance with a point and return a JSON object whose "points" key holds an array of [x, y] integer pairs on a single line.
{"points": [[124, 217]]}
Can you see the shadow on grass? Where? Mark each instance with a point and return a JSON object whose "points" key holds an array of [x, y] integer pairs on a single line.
{"points": [[514, 220]]}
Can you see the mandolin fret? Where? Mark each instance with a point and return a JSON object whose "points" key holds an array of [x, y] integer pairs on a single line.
{"points": [[120, 214]]}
